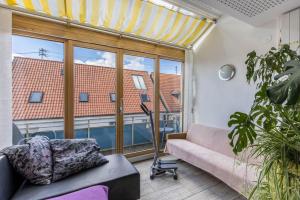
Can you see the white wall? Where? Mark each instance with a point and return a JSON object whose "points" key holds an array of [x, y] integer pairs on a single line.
{"points": [[228, 43], [188, 92], [5, 78]]}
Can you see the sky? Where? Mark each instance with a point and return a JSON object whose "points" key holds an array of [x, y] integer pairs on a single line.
{"points": [[30, 47]]}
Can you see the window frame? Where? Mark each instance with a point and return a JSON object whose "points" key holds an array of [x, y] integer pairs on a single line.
{"points": [[36, 92], [113, 99], [147, 96], [84, 95], [139, 82], [88, 38]]}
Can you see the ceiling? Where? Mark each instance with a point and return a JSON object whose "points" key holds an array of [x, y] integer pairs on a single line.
{"points": [[254, 12]]}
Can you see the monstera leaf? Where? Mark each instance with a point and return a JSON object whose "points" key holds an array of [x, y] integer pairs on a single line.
{"points": [[287, 90], [243, 132]]}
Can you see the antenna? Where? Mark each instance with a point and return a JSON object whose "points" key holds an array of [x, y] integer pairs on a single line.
{"points": [[43, 53]]}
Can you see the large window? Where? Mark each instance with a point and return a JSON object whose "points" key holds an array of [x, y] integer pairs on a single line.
{"points": [[81, 88], [94, 102], [38, 87], [171, 98]]}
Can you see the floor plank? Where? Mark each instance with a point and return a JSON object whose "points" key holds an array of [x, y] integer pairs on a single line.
{"points": [[192, 184]]}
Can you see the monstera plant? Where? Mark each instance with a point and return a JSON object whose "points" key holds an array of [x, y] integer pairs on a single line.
{"points": [[272, 127], [288, 90]]}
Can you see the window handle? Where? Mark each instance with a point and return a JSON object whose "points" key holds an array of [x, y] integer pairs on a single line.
{"points": [[121, 105]]}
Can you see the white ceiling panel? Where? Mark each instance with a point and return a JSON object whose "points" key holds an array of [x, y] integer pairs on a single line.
{"points": [[255, 12]]}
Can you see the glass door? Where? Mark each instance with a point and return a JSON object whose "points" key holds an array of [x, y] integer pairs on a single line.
{"points": [[109, 87], [64, 88], [138, 87], [95, 96], [171, 94]]}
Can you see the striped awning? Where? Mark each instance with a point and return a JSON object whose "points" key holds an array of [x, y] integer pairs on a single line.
{"points": [[135, 17]]}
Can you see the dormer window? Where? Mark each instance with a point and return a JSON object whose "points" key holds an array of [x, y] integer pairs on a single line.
{"points": [[139, 82], [83, 97], [175, 93], [36, 97]]}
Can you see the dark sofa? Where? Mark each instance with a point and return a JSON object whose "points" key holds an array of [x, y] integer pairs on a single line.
{"points": [[119, 175]]}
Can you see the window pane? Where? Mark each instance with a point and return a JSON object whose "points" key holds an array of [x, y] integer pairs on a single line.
{"points": [[94, 84], [36, 97], [138, 87], [171, 95], [38, 87], [142, 83], [145, 98], [136, 82], [83, 97]]}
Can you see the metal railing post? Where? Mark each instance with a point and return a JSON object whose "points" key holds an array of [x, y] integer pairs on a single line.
{"points": [[27, 130], [89, 134], [132, 131]]}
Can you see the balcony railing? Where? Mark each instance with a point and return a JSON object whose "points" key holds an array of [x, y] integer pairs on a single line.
{"points": [[103, 129]]}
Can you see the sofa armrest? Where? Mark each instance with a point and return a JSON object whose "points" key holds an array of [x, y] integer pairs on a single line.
{"points": [[176, 136]]}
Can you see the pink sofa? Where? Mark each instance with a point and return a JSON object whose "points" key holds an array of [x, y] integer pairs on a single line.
{"points": [[208, 149]]}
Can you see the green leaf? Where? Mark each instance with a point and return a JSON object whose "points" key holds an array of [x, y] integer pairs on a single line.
{"points": [[243, 132], [287, 90], [261, 95]]}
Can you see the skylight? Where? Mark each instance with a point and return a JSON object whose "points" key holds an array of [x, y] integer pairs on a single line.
{"points": [[83, 97], [36, 97], [145, 98], [113, 97], [139, 82]]}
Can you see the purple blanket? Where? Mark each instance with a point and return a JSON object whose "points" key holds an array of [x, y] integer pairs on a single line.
{"points": [[98, 192]]}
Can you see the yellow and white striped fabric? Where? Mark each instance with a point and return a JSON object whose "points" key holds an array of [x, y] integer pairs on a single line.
{"points": [[136, 17]]}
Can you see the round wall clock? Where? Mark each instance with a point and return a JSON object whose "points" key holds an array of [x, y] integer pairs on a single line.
{"points": [[226, 72]]}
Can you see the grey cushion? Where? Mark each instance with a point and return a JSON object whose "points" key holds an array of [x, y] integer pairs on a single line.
{"points": [[119, 175], [32, 160], [71, 156]]}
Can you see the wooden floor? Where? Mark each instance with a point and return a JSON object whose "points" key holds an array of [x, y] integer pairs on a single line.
{"points": [[192, 184]]}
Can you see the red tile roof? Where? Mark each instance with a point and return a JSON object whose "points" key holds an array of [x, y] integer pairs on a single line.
{"points": [[37, 75], [46, 76], [170, 84]]}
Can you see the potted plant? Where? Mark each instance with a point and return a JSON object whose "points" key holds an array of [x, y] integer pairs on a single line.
{"points": [[272, 127]]}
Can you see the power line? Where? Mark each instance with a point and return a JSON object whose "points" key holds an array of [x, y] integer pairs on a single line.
{"points": [[42, 53], [27, 53]]}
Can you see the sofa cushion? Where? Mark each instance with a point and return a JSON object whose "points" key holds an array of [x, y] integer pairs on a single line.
{"points": [[98, 192], [71, 156], [212, 138], [119, 175], [32, 160], [236, 174]]}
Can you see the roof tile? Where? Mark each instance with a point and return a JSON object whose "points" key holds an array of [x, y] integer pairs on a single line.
{"points": [[45, 76]]}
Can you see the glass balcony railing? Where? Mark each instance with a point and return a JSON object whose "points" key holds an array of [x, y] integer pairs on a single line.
{"points": [[137, 130]]}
